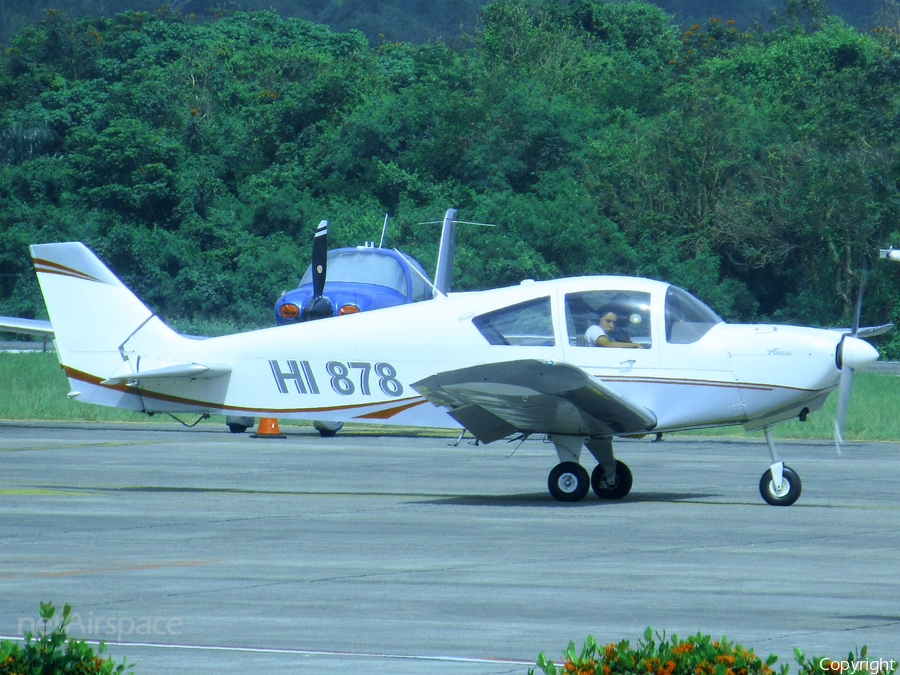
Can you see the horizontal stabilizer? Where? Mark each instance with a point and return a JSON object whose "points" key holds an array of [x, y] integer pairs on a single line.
{"points": [[13, 324], [194, 371], [530, 396]]}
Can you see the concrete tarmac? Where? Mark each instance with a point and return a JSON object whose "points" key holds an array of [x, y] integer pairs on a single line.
{"points": [[207, 552]]}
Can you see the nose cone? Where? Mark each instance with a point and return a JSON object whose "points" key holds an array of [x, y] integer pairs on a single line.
{"points": [[857, 354]]}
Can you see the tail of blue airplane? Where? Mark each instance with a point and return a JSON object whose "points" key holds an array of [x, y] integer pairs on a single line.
{"points": [[443, 273]]}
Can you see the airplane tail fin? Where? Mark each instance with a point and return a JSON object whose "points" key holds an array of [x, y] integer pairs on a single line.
{"points": [[93, 314], [443, 274]]}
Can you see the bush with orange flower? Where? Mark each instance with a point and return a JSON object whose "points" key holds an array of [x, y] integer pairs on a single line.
{"points": [[698, 654]]}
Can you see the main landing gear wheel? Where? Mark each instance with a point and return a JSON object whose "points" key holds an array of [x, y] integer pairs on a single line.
{"points": [[238, 425], [621, 486], [790, 488], [328, 429], [568, 482]]}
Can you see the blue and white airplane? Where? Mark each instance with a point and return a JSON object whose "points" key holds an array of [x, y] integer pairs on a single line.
{"points": [[363, 278]]}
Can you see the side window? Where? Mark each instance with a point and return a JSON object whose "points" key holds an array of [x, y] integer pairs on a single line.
{"points": [[528, 324], [687, 319], [626, 317]]}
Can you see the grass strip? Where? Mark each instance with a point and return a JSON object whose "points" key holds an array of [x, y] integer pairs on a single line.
{"points": [[34, 388]]}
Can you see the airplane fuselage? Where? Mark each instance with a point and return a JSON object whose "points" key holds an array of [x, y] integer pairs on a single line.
{"points": [[361, 367]]}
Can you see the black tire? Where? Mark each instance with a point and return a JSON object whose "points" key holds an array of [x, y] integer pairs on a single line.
{"points": [[236, 428], [568, 482], [328, 429], [790, 488], [624, 481]]}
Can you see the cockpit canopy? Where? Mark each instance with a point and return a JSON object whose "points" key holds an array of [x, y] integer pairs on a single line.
{"points": [[376, 267], [635, 310]]}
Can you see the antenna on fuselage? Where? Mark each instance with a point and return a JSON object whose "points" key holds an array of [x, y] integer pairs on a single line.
{"points": [[387, 217]]}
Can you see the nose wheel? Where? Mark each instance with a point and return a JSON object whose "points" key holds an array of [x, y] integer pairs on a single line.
{"points": [[780, 485], [781, 490], [568, 482]]}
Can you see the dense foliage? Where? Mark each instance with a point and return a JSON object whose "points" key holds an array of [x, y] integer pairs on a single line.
{"points": [[757, 169], [450, 21]]}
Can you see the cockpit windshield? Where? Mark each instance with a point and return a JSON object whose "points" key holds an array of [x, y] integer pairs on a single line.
{"points": [[364, 267], [687, 319]]}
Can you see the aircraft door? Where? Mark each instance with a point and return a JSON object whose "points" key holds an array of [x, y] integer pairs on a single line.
{"points": [[696, 366]]}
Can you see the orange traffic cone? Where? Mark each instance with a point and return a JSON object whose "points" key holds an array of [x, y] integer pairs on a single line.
{"points": [[268, 428]]}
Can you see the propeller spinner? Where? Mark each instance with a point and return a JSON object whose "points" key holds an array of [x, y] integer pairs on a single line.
{"points": [[319, 306]]}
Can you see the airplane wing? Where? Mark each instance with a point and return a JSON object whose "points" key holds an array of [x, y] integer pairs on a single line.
{"points": [[498, 399], [12, 324]]}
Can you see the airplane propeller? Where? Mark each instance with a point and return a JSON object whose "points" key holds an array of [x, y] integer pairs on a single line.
{"points": [[851, 354], [319, 306]]}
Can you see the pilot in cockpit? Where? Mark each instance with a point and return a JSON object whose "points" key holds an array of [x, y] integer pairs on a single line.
{"points": [[604, 333]]}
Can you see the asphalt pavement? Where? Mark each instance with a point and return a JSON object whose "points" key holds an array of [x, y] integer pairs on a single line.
{"points": [[207, 552]]}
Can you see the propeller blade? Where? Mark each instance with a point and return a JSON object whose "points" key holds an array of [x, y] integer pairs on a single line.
{"points": [[859, 301], [320, 259], [850, 355], [844, 387]]}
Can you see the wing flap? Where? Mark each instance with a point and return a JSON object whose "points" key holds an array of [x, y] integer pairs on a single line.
{"points": [[484, 425], [530, 396]]}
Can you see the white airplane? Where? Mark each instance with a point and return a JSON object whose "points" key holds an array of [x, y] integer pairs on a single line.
{"points": [[499, 363]]}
